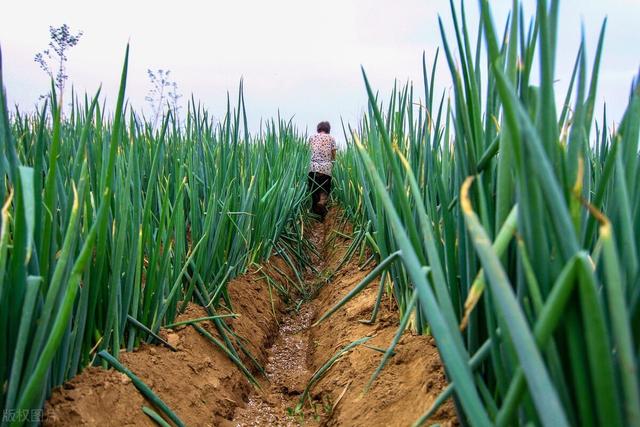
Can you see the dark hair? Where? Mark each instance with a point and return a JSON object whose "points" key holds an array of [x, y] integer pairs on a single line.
{"points": [[324, 127]]}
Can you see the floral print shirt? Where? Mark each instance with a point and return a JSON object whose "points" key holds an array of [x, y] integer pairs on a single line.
{"points": [[322, 144]]}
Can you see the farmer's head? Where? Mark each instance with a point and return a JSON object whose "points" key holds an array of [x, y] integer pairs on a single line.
{"points": [[324, 127]]}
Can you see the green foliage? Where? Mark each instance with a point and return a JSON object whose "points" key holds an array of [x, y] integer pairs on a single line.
{"points": [[550, 300], [110, 226]]}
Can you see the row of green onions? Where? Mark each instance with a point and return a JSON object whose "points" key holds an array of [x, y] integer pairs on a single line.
{"points": [[515, 224], [110, 227]]}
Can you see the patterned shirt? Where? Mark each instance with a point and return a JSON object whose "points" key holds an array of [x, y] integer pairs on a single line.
{"points": [[322, 144]]}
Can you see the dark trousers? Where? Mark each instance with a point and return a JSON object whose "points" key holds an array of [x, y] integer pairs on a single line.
{"points": [[319, 184]]}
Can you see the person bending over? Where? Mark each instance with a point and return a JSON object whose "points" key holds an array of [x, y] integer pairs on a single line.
{"points": [[323, 153]]}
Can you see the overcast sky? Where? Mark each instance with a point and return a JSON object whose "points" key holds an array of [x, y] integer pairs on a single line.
{"points": [[298, 57]]}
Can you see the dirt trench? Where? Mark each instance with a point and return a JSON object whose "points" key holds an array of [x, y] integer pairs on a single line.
{"points": [[204, 388]]}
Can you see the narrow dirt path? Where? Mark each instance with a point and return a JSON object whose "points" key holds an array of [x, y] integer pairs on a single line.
{"points": [[289, 362], [287, 372]]}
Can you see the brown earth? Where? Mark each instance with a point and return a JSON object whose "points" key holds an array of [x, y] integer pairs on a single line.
{"points": [[410, 381], [204, 388], [198, 382]]}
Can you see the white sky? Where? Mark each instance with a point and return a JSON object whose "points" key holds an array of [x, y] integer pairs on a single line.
{"points": [[298, 57]]}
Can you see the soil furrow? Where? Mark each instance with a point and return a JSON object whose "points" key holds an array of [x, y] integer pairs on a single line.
{"points": [[287, 373]]}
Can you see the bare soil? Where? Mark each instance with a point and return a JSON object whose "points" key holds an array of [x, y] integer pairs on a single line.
{"points": [[204, 388]]}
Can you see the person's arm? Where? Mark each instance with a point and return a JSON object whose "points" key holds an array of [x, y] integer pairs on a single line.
{"points": [[333, 149]]}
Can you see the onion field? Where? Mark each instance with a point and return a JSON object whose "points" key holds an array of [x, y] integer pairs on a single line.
{"points": [[502, 222]]}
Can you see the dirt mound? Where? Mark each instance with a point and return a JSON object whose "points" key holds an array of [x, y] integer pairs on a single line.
{"points": [[205, 388], [410, 382], [198, 382]]}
